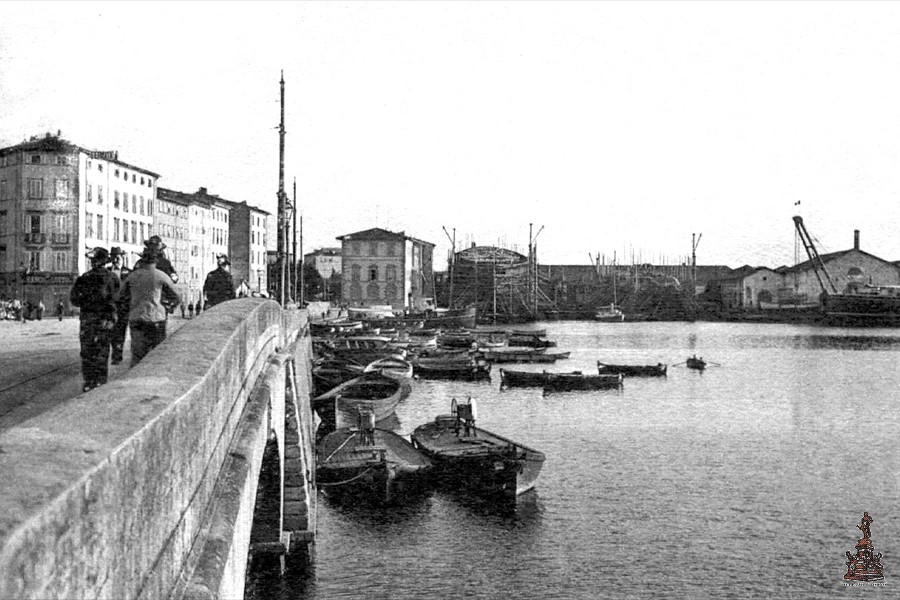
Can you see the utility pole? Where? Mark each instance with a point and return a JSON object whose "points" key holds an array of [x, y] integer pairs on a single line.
{"points": [[452, 260], [294, 247], [302, 283], [282, 208]]}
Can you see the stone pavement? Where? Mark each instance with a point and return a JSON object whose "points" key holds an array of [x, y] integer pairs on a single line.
{"points": [[40, 367]]}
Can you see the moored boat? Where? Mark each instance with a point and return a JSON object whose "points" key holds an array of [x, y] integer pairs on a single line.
{"points": [[475, 459], [657, 370], [522, 354], [369, 462], [609, 314], [570, 382], [371, 391], [460, 366], [391, 366], [328, 373], [511, 378]]}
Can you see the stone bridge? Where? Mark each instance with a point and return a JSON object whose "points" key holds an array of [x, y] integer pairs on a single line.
{"points": [[165, 482]]}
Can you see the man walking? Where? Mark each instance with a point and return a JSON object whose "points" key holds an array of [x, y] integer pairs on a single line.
{"points": [[117, 337], [148, 290], [219, 285], [95, 292]]}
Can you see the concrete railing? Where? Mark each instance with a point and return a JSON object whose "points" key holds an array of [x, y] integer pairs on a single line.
{"points": [[106, 495]]}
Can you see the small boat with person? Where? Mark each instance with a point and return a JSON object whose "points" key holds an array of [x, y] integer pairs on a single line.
{"points": [[657, 370], [474, 459], [695, 363]]}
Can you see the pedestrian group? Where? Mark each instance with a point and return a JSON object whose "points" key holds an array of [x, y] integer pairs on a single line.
{"points": [[114, 299]]}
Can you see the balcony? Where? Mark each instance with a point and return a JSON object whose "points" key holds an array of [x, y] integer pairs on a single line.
{"points": [[60, 238], [35, 238]]}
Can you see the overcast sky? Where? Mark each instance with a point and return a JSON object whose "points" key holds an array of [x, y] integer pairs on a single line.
{"points": [[616, 127]]}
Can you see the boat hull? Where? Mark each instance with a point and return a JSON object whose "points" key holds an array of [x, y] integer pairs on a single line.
{"points": [[384, 468], [573, 382], [658, 370], [370, 391], [862, 309], [480, 462]]}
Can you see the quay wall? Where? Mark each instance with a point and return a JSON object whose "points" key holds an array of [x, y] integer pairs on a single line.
{"points": [[108, 494]]}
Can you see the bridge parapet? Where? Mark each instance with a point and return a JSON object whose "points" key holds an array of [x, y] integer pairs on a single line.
{"points": [[110, 494]]}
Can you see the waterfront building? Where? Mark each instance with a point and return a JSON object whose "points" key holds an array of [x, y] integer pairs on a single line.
{"points": [[846, 268], [326, 261], [380, 268], [57, 200], [248, 240], [748, 287]]}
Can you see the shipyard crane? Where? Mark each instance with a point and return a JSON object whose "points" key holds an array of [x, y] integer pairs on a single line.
{"points": [[817, 263]]}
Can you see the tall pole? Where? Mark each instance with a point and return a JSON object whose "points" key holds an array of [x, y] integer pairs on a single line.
{"points": [[452, 260], [294, 247], [282, 205], [302, 285]]}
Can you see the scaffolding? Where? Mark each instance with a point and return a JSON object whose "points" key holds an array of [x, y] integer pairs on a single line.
{"points": [[504, 285]]}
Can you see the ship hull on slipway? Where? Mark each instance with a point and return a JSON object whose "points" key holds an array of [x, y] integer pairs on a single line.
{"points": [[862, 309]]}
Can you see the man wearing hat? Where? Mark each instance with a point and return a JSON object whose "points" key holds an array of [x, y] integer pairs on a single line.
{"points": [[148, 290], [117, 339], [219, 286], [95, 292], [162, 263]]}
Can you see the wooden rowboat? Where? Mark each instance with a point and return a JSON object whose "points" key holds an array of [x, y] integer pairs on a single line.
{"points": [[657, 370]]}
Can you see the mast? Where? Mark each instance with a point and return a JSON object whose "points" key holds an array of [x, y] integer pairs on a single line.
{"points": [[282, 206], [452, 260]]}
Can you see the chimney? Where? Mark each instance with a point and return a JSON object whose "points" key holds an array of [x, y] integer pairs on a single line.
{"points": [[202, 191], [856, 239]]}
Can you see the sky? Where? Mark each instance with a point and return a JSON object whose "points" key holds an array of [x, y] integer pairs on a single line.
{"points": [[618, 130]]}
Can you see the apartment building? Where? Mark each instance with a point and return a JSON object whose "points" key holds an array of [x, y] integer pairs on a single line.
{"points": [[57, 200]]}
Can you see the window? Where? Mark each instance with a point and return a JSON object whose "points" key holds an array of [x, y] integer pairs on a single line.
{"points": [[3, 191], [61, 160], [62, 262], [390, 272], [35, 159], [100, 167], [372, 291], [100, 231], [125, 230], [355, 272], [116, 230], [117, 172], [88, 164], [149, 206], [34, 223], [134, 237], [143, 237], [142, 181], [99, 194], [88, 225], [90, 193], [134, 204], [125, 204], [34, 261], [373, 273], [142, 205], [35, 188], [62, 189], [59, 224]]}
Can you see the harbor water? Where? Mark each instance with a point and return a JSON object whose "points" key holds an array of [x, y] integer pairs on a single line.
{"points": [[743, 481]]}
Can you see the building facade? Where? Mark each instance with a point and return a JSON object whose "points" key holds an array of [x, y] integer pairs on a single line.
{"points": [[326, 261], [57, 200], [248, 239], [381, 268]]}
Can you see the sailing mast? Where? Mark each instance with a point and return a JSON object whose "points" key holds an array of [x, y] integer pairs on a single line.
{"points": [[282, 205]]}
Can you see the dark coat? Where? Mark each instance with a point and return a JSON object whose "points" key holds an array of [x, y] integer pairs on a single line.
{"points": [[96, 293], [218, 287]]}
